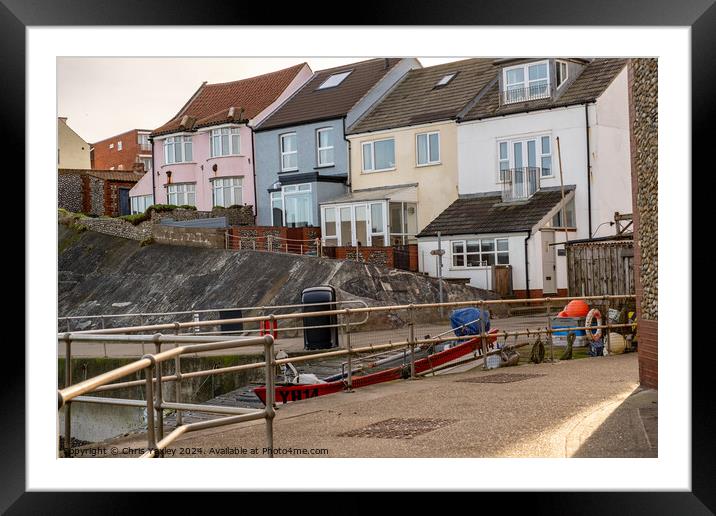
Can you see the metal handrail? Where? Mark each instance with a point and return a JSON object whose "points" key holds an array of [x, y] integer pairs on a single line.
{"points": [[198, 343], [520, 183], [344, 311], [525, 94], [154, 402]]}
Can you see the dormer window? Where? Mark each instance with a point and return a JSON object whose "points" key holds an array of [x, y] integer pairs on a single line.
{"points": [[334, 80], [445, 79], [561, 73], [529, 81]]}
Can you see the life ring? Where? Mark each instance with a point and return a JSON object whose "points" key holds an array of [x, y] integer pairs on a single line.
{"points": [[596, 335]]}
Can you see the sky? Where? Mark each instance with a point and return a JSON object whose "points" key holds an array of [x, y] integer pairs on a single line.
{"points": [[102, 97]]}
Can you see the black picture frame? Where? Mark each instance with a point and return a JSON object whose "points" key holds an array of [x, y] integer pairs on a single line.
{"points": [[700, 15]]}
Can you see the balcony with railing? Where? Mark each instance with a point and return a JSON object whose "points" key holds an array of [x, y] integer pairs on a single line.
{"points": [[145, 146], [535, 91], [519, 183]]}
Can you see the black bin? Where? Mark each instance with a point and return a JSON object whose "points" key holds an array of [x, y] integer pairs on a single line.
{"points": [[319, 338], [232, 327]]}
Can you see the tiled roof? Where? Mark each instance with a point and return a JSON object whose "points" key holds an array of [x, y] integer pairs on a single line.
{"points": [[417, 99], [230, 101], [107, 175], [587, 87], [311, 104], [486, 213]]}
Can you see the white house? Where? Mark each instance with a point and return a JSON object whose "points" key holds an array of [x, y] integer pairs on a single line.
{"points": [[512, 200]]}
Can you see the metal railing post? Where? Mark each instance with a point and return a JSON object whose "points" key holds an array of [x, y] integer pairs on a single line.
{"points": [[270, 391], [104, 344], [149, 395], [195, 318], [606, 338], [349, 365], [177, 382], [68, 405], [411, 339], [159, 395], [548, 304], [483, 341]]}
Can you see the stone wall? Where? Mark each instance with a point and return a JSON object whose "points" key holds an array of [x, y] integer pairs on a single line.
{"points": [[118, 227], [214, 238], [240, 216], [69, 192], [644, 116], [96, 196]]}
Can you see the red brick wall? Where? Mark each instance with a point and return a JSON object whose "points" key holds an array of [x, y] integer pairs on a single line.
{"points": [[648, 333], [111, 196], [104, 158], [537, 293]]}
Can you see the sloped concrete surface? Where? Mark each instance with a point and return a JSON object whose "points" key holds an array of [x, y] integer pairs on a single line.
{"points": [[97, 271]]}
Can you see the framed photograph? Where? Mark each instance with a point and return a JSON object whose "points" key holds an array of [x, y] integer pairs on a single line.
{"points": [[424, 255]]}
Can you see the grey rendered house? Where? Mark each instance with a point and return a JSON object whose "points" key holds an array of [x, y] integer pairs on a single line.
{"points": [[301, 153]]}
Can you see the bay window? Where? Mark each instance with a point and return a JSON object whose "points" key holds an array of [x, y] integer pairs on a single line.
{"points": [[324, 143], [292, 206], [403, 222], [379, 155], [359, 224], [177, 149], [227, 191], [428, 148], [480, 252], [330, 237], [181, 194], [225, 142], [140, 203], [289, 152]]}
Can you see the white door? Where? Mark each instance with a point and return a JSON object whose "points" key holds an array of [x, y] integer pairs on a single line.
{"points": [[549, 263]]}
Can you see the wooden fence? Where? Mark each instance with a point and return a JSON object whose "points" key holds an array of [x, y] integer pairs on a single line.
{"points": [[600, 267]]}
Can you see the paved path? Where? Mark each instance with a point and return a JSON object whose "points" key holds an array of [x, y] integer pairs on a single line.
{"points": [[295, 345], [588, 407]]}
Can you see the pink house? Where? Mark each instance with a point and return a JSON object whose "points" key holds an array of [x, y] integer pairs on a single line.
{"points": [[204, 155]]}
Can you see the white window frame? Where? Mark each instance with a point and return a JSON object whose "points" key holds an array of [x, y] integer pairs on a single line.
{"points": [[483, 263], [369, 223], [329, 147], [558, 65], [119, 145], [372, 155], [287, 153], [220, 184], [428, 149], [340, 77], [293, 190], [183, 190], [185, 142], [218, 134], [405, 236], [148, 165], [140, 203], [526, 82], [111, 145], [537, 138]]}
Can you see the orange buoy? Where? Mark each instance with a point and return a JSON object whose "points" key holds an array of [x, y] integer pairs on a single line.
{"points": [[562, 314], [576, 308]]}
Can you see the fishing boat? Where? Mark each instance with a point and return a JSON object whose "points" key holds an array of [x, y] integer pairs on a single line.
{"points": [[290, 392]]}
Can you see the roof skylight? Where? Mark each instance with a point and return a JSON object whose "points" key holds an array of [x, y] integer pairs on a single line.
{"points": [[446, 79], [334, 80]]}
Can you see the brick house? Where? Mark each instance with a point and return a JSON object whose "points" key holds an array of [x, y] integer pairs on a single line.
{"points": [[95, 192], [124, 151]]}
